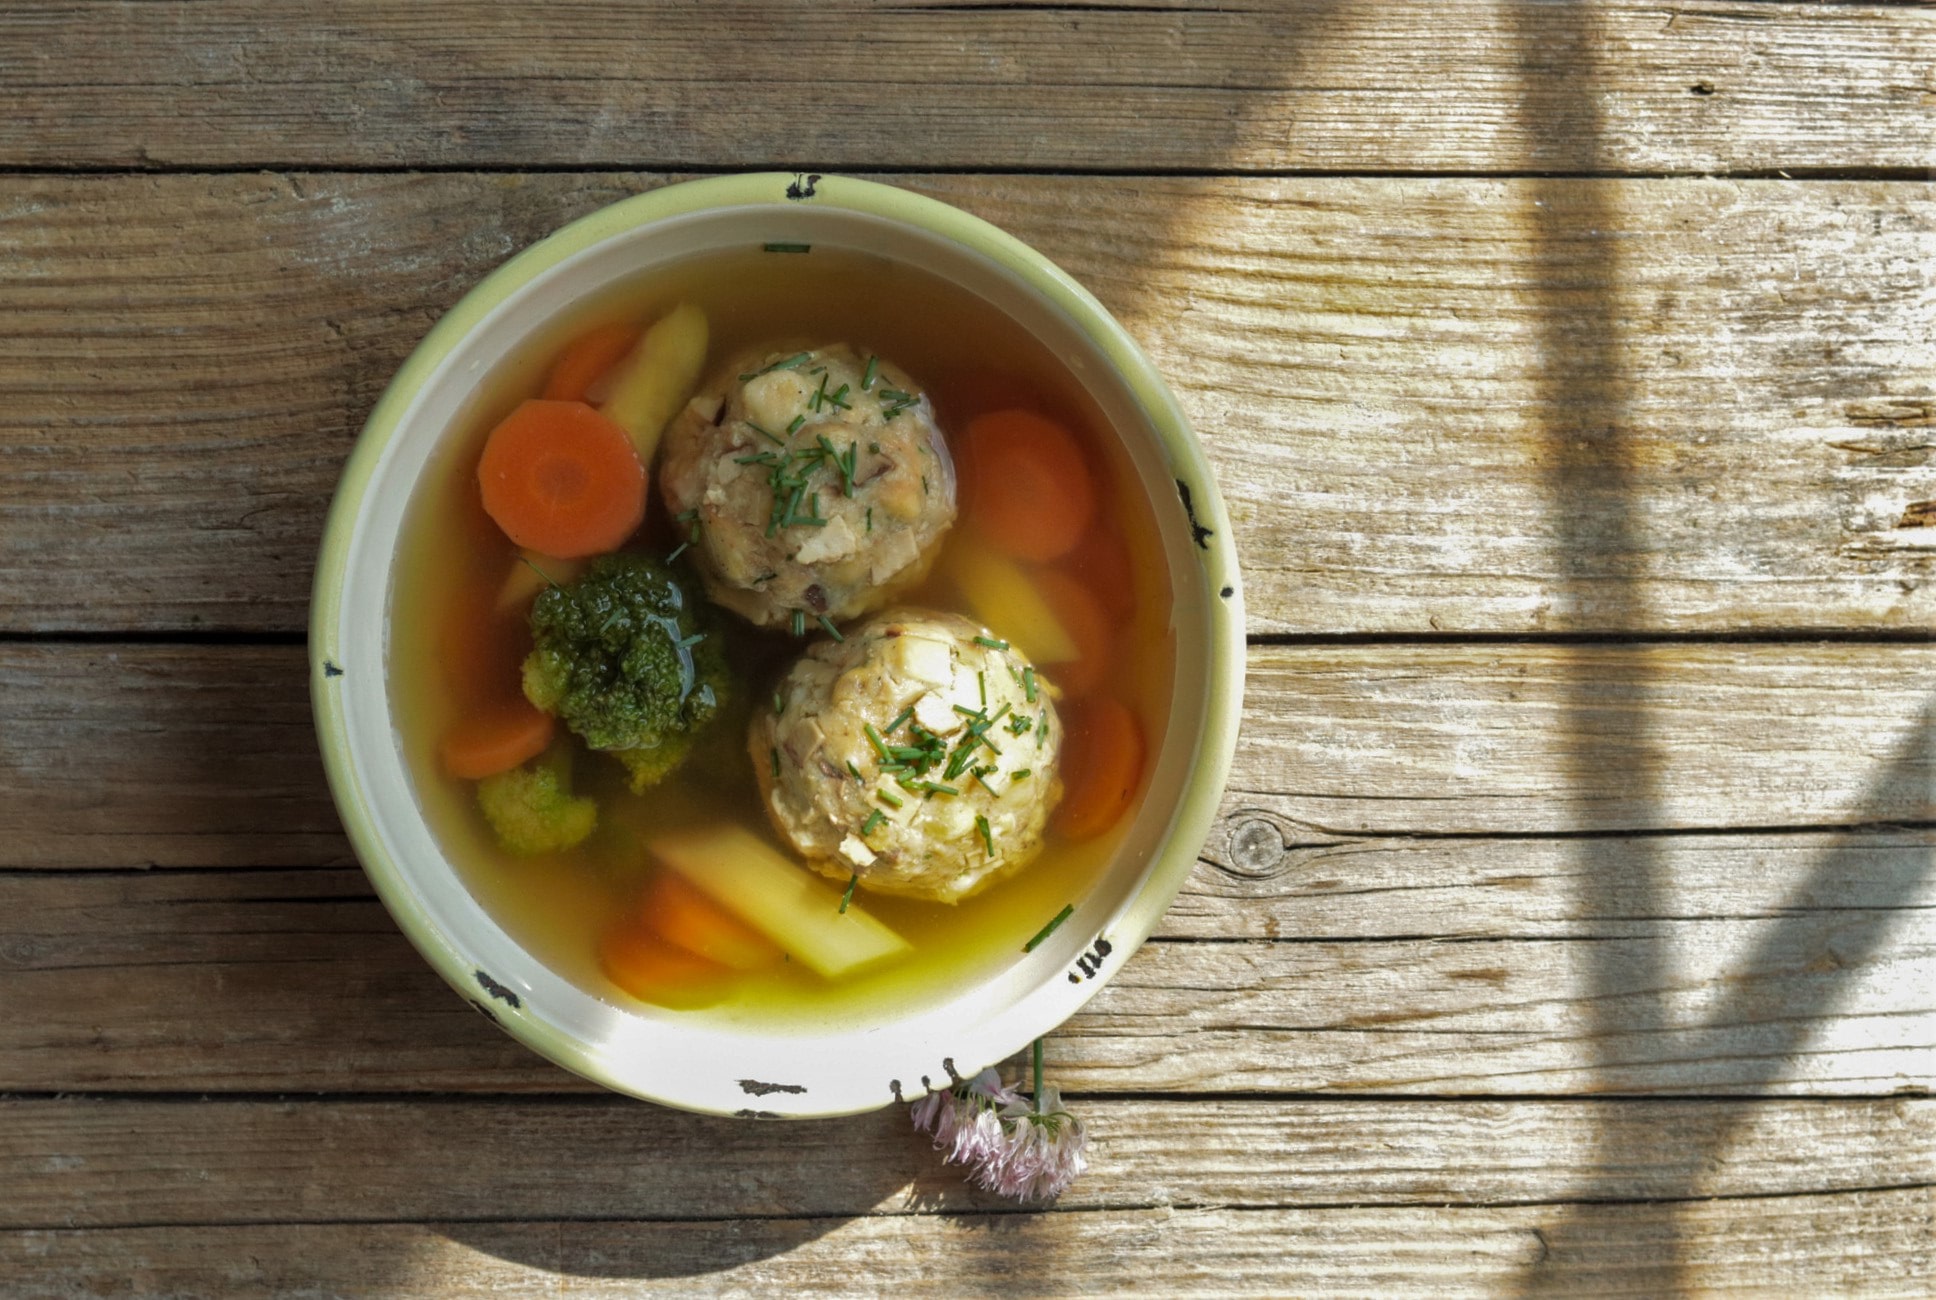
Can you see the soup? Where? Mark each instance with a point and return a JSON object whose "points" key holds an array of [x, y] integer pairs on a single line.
{"points": [[1060, 618]]}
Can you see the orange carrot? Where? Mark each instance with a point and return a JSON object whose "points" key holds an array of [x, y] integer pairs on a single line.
{"points": [[652, 970], [485, 744], [680, 913], [1082, 616], [1027, 490], [560, 478], [1100, 562], [1102, 766], [587, 357]]}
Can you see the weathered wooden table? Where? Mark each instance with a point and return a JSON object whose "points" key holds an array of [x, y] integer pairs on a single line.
{"points": [[1571, 371]]}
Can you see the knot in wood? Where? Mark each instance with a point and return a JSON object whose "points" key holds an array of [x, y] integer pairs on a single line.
{"points": [[1256, 848]]}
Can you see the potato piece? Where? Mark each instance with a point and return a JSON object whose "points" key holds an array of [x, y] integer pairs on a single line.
{"points": [[778, 897], [658, 377], [1008, 603]]}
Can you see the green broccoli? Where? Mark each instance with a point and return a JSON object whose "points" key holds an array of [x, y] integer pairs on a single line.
{"points": [[629, 662], [532, 811]]}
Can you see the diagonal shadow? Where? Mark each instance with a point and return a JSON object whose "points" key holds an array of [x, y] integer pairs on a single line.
{"points": [[1591, 469]]}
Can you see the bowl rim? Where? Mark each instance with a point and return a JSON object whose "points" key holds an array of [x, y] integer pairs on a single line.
{"points": [[1202, 792]]}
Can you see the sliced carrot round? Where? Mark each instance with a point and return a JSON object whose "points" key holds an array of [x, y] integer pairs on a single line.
{"points": [[1102, 766], [485, 744], [1083, 617], [652, 970], [587, 357], [560, 478], [680, 913], [1027, 491], [1101, 563]]}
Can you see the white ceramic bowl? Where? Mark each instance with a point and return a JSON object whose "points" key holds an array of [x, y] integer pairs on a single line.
{"points": [[832, 1066]]}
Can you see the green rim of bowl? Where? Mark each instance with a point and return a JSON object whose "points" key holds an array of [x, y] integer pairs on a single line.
{"points": [[1197, 807]]}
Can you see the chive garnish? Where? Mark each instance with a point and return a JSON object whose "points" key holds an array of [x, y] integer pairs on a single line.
{"points": [[902, 717], [787, 248], [889, 798], [874, 819], [1019, 774], [856, 771], [874, 739], [981, 680], [981, 781], [677, 551], [799, 622], [832, 631], [1020, 725], [867, 377], [797, 359], [688, 642], [686, 516], [779, 702], [991, 643], [776, 760], [870, 519], [1028, 683], [794, 428], [1049, 929], [987, 837], [848, 897], [771, 437]]}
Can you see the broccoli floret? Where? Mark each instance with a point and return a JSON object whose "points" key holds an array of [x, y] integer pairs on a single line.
{"points": [[531, 811], [648, 767], [629, 662]]}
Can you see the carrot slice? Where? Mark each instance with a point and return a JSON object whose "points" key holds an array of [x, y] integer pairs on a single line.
{"points": [[652, 970], [1027, 491], [485, 744], [1102, 767], [1082, 616], [1101, 563], [560, 478], [587, 357], [678, 912]]}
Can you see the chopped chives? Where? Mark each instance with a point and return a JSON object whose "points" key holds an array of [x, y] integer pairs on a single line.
{"points": [[1019, 774], [889, 798], [1049, 929], [832, 631], [979, 780], [688, 642], [779, 702], [776, 760], [855, 770], [870, 519], [905, 714], [677, 551], [981, 680], [991, 643], [867, 378], [773, 438], [874, 819], [794, 428], [874, 739], [1028, 683], [987, 836], [787, 248], [797, 359], [799, 622], [848, 897]]}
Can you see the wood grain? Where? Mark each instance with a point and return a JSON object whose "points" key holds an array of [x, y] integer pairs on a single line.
{"points": [[121, 1163], [1461, 85], [298, 981], [1435, 406], [142, 755], [1862, 1243]]}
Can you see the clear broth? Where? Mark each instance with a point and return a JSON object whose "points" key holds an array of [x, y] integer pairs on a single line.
{"points": [[446, 648]]}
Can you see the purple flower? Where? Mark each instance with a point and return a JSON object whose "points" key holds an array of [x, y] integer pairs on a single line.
{"points": [[1015, 1147]]}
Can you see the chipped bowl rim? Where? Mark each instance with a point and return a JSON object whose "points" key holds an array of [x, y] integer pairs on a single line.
{"points": [[882, 1072]]}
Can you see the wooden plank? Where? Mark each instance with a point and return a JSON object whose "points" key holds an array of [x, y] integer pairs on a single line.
{"points": [[1435, 406], [1471, 85], [298, 981], [1864, 1243], [136, 755], [127, 1163]]}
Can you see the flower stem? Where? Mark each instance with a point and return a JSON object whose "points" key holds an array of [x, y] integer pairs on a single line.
{"points": [[1035, 1098]]}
